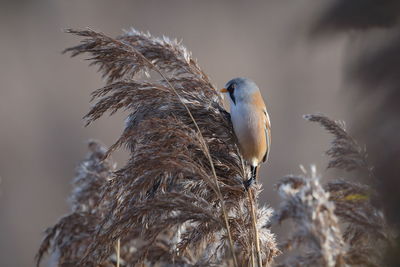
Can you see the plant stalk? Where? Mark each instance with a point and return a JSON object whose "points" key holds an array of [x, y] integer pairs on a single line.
{"points": [[118, 251], [254, 221]]}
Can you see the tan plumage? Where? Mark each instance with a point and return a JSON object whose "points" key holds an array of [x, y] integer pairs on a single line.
{"points": [[254, 134]]}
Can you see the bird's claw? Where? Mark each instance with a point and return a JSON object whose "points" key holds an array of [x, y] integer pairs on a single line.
{"points": [[248, 183]]}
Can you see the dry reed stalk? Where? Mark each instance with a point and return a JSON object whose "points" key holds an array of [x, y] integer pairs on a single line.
{"points": [[254, 221], [118, 251]]}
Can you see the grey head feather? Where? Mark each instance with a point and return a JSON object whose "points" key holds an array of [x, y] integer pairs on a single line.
{"points": [[240, 89]]}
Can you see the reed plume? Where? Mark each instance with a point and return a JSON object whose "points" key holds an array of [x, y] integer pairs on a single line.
{"points": [[336, 224], [73, 233], [164, 205], [364, 224], [316, 237]]}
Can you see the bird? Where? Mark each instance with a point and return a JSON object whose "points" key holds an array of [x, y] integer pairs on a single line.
{"points": [[251, 123]]}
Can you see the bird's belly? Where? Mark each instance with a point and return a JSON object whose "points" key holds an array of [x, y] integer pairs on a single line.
{"points": [[250, 131]]}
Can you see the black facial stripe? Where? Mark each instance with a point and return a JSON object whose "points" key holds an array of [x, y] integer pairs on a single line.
{"points": [[231, 89], [232, 96]]}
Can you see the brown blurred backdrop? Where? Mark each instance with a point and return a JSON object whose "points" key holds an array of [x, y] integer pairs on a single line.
{"points": [[43, 94]]}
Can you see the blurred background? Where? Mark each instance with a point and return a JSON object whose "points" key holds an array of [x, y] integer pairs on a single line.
{"points": [[300, 53]]}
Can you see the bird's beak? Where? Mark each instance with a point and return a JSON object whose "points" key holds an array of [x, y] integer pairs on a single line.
{"points": [[223, 90]]}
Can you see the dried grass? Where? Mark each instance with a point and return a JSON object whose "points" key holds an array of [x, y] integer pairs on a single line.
{"points": [[181, 195], [336, 224]]}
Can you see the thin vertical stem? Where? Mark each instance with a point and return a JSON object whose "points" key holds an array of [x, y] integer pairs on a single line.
{"points": [[118, 251], [253, 263], [254, 221]]}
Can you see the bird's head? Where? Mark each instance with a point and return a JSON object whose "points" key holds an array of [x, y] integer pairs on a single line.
{"points": [[240, 90]]}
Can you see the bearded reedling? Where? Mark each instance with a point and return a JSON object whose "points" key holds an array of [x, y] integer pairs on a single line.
{"points": [[250, 121]]}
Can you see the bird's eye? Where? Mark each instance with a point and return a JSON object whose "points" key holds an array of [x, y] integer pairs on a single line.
{"points": [[231, 87]]}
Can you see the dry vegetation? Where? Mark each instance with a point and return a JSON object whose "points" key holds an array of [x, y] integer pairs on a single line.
{"points": [[180, 197]]}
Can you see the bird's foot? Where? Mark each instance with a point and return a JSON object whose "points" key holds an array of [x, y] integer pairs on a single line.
{"points": [[248, 183]]}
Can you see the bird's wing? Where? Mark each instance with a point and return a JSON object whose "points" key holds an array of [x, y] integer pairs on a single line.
{"points": [[267, 129]]}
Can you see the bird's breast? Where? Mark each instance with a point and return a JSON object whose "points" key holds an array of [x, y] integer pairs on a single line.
{"points": [[249, 128]]}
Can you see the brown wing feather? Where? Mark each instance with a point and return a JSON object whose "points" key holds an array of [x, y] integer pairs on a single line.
{"points": [[267, 135]]}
